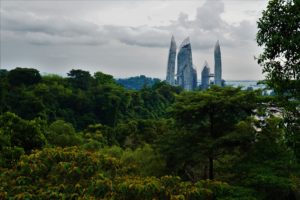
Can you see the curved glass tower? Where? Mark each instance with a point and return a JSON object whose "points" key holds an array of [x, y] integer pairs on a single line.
{"points": [[171, 63], [218, 65], [186, 74], [205, 76]]}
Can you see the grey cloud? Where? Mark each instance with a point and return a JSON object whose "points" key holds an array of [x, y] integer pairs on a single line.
{"points": [[204, 29], [209, 15], [183, 20], [245, 31], [140, 36], [46, 39], [252, 12], [41, 35], [50, 30]]}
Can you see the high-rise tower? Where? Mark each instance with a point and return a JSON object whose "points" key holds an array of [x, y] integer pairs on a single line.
{"points": [[186, 74], [171, 63], [205, 76], [218, 65]]}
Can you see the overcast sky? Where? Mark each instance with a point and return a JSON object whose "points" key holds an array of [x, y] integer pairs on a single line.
{"points": [[128, 38]]}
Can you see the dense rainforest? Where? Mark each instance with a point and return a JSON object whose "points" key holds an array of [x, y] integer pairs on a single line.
{"points": [[85, 136]]}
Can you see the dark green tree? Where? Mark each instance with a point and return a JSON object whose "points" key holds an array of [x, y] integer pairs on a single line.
{"points": [[267, 165], [25, 103], [102, 78], [80, 79], [279, 34], [61, 133], [21, 133], [205, 124], [26, 76], [3, 89]]}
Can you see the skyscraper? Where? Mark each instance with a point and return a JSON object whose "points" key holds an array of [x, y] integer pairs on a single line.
{"points": [[186, 74], [205, 74], [194, 81], [218, 65], [171, 63]]}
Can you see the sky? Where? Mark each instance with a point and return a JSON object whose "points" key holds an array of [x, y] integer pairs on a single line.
{"points": [[127, 38]]}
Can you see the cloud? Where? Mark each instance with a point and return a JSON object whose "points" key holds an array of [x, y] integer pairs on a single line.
{"points": [[245, 31], [209, 16], [204, 29], [46, 30], [118, 38]]}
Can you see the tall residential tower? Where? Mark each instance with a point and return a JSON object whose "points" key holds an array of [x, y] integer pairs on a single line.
{"points": [[186, 74], [171, 63], [218, 65], [205, 76]]}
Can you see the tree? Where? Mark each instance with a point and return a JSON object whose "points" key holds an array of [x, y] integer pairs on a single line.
{"points": [[268, 165], [80, 79], [3, 89], [102, 78], [25, 103], [26, 76], [61, 133], [205, 123], [21, 133], [279, 34]]}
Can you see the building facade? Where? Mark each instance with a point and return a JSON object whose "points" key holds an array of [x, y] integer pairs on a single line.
{"points": [[205, 76], [171, 63], [218, 65], [186, 76]]}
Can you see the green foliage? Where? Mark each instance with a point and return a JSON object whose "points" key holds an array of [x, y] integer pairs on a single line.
{"points": [[86, 137], [102, 78], [205, 123], [21, 133], [138, 82], [224, 191], [136, 133], [98, 136], [58, 173], [26, 76], [26, 104], [81, 99], [145, 161], [268, 164], [279, 33], [62, 134], [80, 79], [74, 173], [9, 155]]}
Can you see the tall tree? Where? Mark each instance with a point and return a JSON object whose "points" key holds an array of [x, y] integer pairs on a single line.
{"points": [[205, 123], [80, 78], [279, 34], [26, 76]]}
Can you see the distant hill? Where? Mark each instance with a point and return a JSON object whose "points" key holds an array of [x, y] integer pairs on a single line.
{"points": [[137, 82]]}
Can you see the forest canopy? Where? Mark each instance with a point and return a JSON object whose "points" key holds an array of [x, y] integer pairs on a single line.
{"points": [[155, 143]]}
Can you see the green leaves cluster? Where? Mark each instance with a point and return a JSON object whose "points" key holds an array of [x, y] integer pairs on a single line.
{"points": [[74, 173], [80, 98], [279, 35]]}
